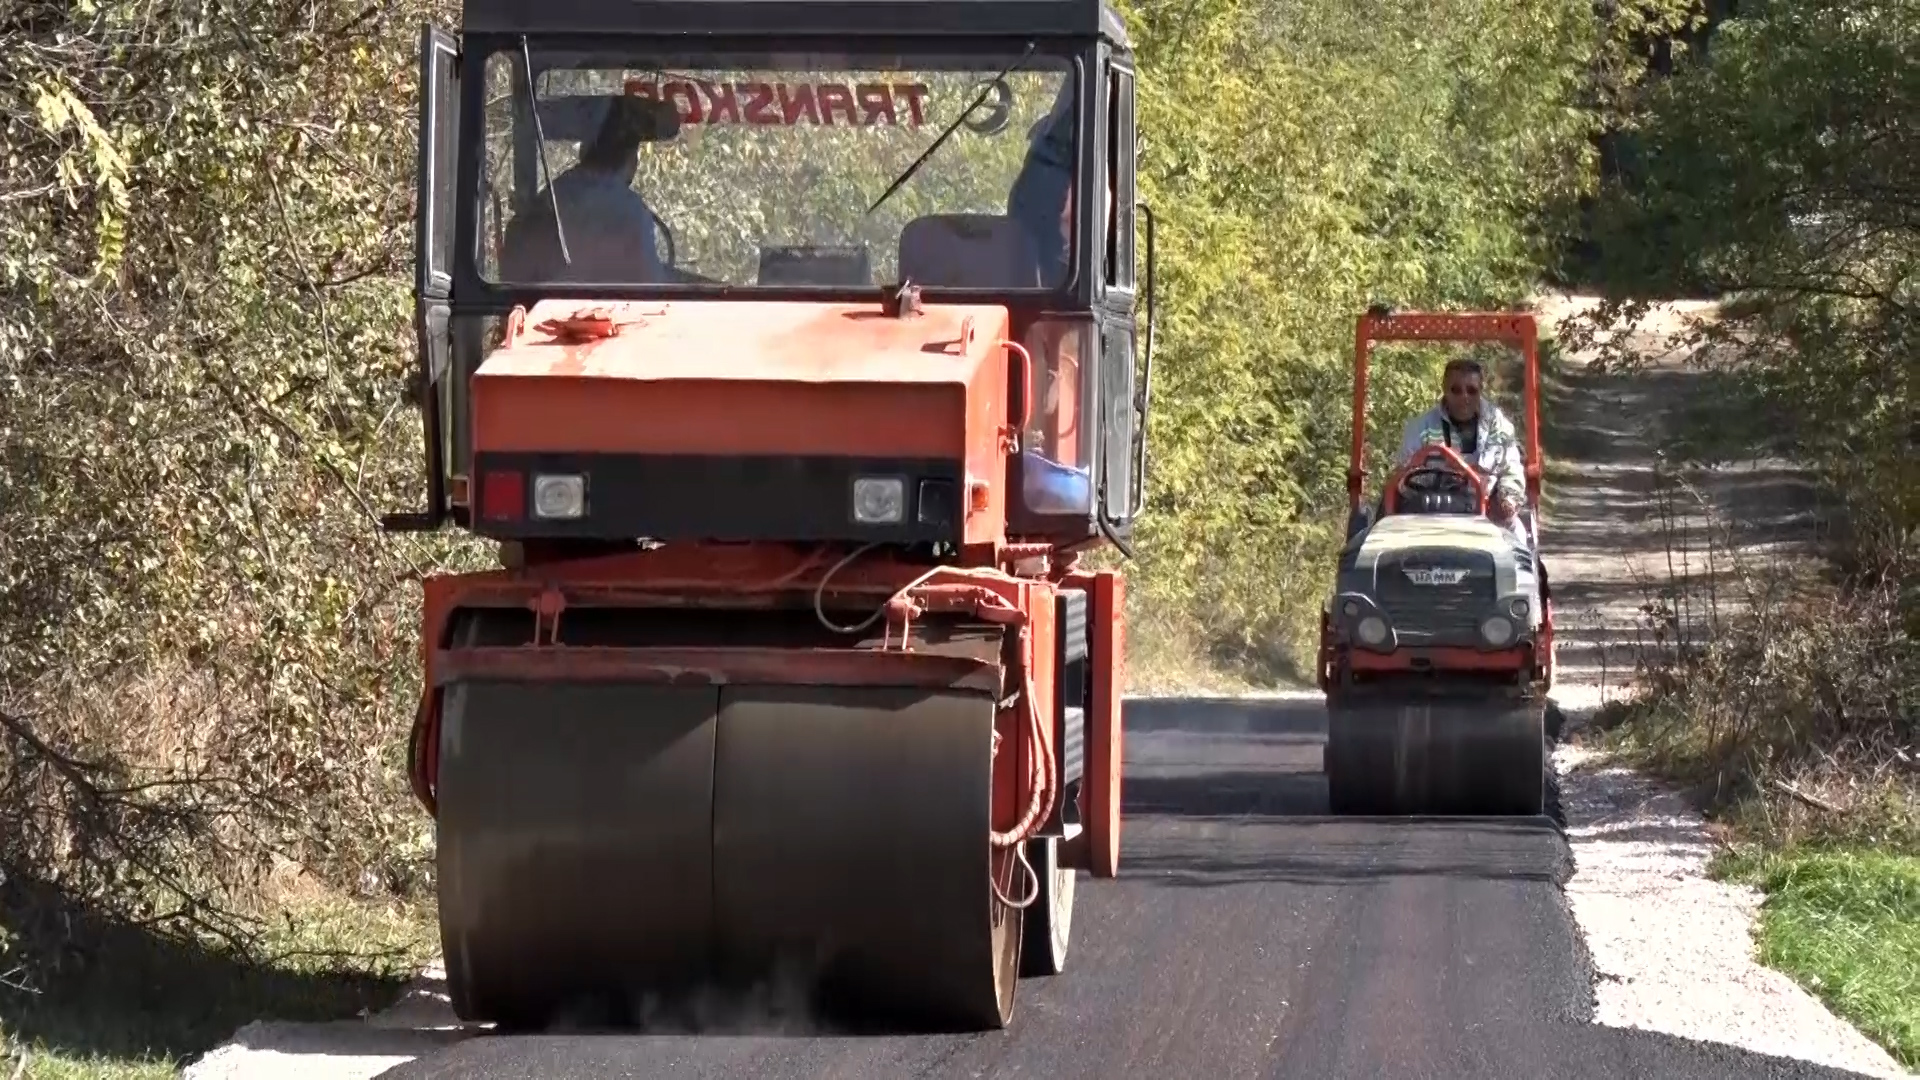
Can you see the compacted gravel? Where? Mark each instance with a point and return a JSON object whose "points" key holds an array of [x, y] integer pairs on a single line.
{"points": [[1673, 950]]}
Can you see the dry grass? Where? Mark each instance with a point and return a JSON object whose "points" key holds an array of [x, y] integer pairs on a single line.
{"points": [[151, 900], [1165, 656], [1784, 695]]}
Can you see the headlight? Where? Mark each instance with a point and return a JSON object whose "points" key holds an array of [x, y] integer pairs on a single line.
{"points": [[1497, 630], [1351, 609], [1372, 630], [559, 497], [1519, 609], [879, 500]]}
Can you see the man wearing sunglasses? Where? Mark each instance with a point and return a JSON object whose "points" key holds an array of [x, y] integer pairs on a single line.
{"points": [[1482, 435]]}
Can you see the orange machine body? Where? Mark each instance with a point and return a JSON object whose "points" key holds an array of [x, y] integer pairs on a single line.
{"points": [[1520, 331], [677, 380], [757, 378], [789, 611]]}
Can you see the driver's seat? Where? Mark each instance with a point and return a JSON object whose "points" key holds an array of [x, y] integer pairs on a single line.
{"points": [[968, 251]]}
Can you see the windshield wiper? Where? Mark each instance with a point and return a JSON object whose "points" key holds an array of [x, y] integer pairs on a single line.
{"points": [[546, 169], [985, 89]]}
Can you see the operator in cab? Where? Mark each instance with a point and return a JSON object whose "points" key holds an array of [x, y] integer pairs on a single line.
{"points": [[1481, 434], [1042, 196], [609, 228]]}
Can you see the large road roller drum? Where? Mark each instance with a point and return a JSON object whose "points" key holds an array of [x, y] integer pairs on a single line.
{"points": [[612, 850]]}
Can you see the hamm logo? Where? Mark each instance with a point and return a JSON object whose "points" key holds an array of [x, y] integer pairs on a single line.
{"points": [[1435, 575]]}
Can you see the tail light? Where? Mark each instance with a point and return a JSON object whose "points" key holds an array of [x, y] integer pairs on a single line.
{"points": [[503, 495]]}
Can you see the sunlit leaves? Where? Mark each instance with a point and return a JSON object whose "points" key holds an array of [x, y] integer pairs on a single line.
{"points": [[201, 404]]}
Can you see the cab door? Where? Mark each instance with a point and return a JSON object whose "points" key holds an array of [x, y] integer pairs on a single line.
{"points": [[434, 210], [1125, 368]]}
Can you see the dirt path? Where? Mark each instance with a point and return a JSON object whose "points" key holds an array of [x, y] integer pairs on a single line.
{"points": [[1619, 522], [1672, 949]]}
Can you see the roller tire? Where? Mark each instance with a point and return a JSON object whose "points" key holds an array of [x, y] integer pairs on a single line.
{"points": [[1419, 759], [1047, 924]]}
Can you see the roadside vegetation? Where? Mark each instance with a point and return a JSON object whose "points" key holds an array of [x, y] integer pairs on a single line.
{"points": [[208, 652], [1778, 167]]}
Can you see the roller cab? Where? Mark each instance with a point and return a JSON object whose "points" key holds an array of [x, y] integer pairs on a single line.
{"points": [[789, 353], [1436, 642]]}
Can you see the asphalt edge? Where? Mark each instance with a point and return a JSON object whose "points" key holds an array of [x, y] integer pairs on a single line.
{"points": [[1586, 1001]]}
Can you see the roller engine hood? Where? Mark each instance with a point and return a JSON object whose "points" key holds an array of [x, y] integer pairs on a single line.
{"points": [[681, 404]]}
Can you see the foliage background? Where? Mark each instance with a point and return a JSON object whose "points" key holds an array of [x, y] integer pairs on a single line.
{"points": [[1308, 158], [208, 651], [1777, 164], [1773, 161]]}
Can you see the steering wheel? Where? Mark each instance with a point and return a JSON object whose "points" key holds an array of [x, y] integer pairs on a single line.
{"points": [[673, 255], [1440, 461], [1439, 478]]}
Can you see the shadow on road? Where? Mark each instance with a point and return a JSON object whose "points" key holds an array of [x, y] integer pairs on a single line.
{"points": [[82, 984], [1300, 714], [1356, 851], [1229, 791], [1226, 794]]}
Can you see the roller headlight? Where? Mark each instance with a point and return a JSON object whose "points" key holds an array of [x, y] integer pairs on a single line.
{"points": [[1497, 630], [559, 498], [879, 500], [1372, 630]]}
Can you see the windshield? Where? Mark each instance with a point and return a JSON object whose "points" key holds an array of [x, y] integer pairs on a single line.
{"points": [[766, 169]]}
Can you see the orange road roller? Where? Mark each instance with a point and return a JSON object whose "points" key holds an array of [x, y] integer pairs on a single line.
{"points": [[788, 351]]}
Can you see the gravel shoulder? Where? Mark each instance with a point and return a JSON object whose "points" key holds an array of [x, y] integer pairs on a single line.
{"points": [[1672, 949]]}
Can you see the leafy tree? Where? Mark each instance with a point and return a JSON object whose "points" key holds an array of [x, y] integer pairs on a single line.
{"points": [[204, 335], [1307, 158], [1783, 168]]}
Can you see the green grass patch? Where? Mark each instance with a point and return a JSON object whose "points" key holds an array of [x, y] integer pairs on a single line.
{"points": [[1845, 923], [41, 1066], [126, 1004]]}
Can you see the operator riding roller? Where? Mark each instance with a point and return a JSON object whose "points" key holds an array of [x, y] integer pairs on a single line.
{"points": [[791, 675], [1436, 641]]}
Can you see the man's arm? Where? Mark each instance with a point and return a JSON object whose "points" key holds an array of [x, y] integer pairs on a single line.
{"points": [[1509, 464], [639, 220], [1414, 435]]}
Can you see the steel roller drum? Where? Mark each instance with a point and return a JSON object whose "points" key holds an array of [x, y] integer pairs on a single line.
{"points": [[1443, 756], [610, 851]]}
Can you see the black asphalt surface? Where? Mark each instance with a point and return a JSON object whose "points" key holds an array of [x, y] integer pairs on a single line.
{"points": [[1248, 935]]}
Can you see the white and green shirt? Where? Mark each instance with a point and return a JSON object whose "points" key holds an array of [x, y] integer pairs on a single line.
{"points": [[1490, 446]]}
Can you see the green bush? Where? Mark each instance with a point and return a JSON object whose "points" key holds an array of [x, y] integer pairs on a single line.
{"points": [[206, 655]]}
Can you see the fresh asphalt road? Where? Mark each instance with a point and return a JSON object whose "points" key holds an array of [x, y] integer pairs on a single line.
{"points": [[1248, 935]]}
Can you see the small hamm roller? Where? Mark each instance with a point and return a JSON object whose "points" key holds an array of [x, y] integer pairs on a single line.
{"points": [[1436, 642], [788, 352]]}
